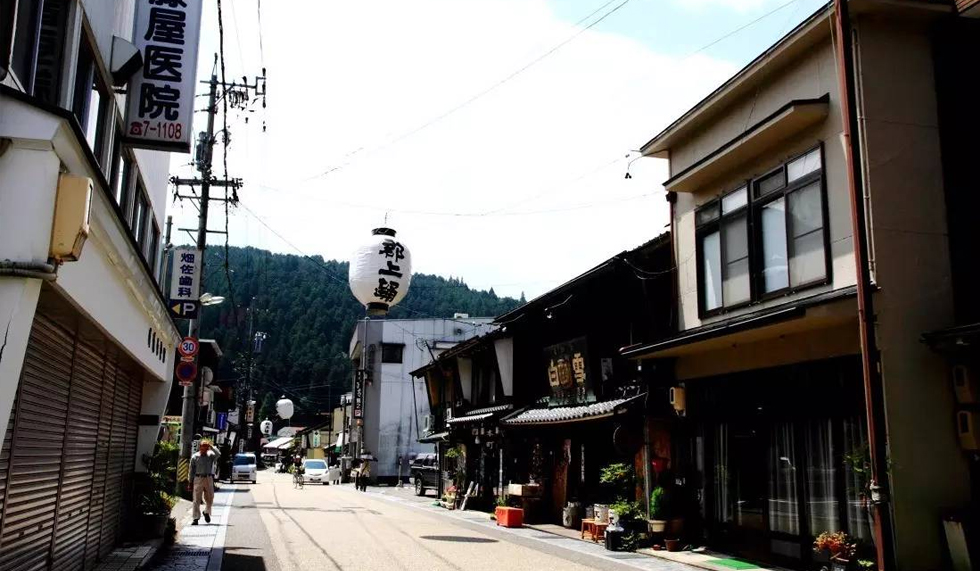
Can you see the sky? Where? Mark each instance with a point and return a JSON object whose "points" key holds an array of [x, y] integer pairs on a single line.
{"points": [[493, 135]]}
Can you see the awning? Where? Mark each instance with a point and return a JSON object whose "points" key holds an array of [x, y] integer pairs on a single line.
{"points": [[340, 441], [434, 438], [567, 414], [282, 443], [480, 414]]}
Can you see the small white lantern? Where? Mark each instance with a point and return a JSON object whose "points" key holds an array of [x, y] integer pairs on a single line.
{"points": [[266, 427], [380, 272], [284, 407]]}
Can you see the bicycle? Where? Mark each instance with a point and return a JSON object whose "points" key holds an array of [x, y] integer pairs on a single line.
{"points": [[298, 479]]}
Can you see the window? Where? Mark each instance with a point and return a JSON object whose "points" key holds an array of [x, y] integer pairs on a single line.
{"points": [[765, 238], [92, 100], [38, 46], [122, 171], [7, 13], [153, 254], [140, 215], [723, 243], [392, 352]]}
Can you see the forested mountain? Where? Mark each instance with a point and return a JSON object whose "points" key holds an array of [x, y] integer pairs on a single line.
{"points": [[308, 313]]}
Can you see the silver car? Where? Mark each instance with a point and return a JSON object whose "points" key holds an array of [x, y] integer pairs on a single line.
{"points": [[243, 468]]}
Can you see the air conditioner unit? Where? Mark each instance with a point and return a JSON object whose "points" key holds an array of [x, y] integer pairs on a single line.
{"points": [[428, 423], [965, 385]]}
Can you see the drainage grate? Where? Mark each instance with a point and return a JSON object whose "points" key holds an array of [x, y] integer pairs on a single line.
{"points": [[626, 556], [188, 553]]}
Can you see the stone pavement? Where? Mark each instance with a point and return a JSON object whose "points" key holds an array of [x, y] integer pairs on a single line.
{"points": [[199, 547], [129, 557]]}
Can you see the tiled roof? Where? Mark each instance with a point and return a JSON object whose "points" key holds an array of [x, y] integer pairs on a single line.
{"points": [[480, 414], [562, 414], [498, 408]]}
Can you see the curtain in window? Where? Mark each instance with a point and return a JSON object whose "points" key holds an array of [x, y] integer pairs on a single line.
{"points": [[736, 286], [723, 505], [711, 268], [821, 476], [783, 497], [774, 267], [856, 476], [806, 222]]}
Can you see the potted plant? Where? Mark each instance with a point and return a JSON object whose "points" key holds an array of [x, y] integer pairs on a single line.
{"points": [[658, 510], [152, 499], [839, 547]]}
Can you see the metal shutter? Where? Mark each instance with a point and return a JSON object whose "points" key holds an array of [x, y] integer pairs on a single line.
{"points": [[37, 449], [5, 456], [74, 501], [95, 549], [112, 501]]}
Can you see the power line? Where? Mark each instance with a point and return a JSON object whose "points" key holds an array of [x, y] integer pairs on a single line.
{"points": [[224, 137], [489, 89], [258, 7]]}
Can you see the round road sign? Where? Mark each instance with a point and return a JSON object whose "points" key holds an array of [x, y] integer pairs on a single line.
{"points": [[186, 371], [188, 347]]}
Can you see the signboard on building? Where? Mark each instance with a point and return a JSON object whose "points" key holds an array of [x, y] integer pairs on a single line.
{"points": [[568, 373], [186, 373], [222, 421], [185, 283], [357, 410], [161, 94]]}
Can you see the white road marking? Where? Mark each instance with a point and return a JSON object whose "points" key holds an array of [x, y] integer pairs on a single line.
{"points": [[218, 548]]}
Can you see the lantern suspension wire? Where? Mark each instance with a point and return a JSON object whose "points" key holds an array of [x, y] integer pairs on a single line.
{"points": [[491, 88]]}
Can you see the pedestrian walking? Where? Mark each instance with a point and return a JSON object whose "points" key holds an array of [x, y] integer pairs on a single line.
{"points": [[204, 462], [364, 474]]}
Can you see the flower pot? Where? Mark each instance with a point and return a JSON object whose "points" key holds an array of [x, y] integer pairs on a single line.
{"points": [[602, 513], [838, 564], [673, 544], [509, 517], [657, 525], [149, 526]]}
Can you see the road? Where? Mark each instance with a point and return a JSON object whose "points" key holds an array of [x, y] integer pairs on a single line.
{"points": [[272, 526]]}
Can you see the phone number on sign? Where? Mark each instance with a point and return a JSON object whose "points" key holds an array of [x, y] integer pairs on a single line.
{"points": [[160, 129]]}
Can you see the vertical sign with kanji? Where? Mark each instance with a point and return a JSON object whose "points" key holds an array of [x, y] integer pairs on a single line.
{"points": [[185, 283], [357, 410], [568, 373], [160, 104]]}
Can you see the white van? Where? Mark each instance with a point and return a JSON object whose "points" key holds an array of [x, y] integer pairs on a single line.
{"points": [[243, 468]]}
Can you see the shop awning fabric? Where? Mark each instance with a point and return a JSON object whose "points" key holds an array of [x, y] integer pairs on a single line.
{"points": [[480, 414], [566, 414], [281, 443]]}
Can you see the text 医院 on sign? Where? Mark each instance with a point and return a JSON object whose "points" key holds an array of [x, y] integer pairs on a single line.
{"points": [[160, 106]]}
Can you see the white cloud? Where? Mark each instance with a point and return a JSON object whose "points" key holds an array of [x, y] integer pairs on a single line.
{"points": [[342, 78]]}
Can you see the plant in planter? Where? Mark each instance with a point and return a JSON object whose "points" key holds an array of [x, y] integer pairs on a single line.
{"points": [[152, 499], [658, 510], [839, 546]]}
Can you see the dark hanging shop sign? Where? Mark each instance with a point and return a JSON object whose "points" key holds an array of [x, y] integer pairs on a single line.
{"points": [[357, 410], [568, 373]]}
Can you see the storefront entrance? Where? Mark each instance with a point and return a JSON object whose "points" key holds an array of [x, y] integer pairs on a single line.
{"points": [[782, 458]]}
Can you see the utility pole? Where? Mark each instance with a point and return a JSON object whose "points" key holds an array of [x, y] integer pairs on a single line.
{"points": [[238, 93]]}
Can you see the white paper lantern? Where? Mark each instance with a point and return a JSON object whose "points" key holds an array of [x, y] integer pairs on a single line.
{"points": [[284, 407], [266, 427], [380, 272]]}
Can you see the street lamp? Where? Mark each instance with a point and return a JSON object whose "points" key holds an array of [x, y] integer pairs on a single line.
{"points": [[210, 299]]}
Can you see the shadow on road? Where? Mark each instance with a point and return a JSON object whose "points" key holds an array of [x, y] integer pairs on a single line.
{"points": [[458, 538], [240, 562]]}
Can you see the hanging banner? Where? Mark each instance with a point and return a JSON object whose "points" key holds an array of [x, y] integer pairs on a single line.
{"points": [[185, 283], [160, 101], [357, 410]]}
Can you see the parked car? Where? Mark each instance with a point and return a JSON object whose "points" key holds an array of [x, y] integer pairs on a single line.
{"points": [[425, 472], [315, 471], [243, 468]]}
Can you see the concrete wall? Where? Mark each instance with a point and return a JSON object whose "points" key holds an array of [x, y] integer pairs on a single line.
{"points": [[904, 175], [393, 414], [809, 77]]}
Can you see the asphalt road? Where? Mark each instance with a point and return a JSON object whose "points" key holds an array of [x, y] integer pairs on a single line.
{"points": [[273, 526]]}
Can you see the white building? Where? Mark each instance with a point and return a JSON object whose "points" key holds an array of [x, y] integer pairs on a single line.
{"points": [[395, 404], [86, 350]]}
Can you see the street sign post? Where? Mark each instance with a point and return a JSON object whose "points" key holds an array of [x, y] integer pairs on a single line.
{"points": [[185, 283], [188, 348], [186, 373]]}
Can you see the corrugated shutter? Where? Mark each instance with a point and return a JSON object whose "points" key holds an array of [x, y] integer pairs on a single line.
{"points": [[117, 459], [74, 503], [5, 456], [37, 449], [94, 548]]}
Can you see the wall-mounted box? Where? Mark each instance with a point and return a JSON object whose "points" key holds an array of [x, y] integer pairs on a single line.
{"points": [[72, 209]]}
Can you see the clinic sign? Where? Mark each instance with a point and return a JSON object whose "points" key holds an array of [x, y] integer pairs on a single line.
{"points": [[185, 283], [160, 105]]}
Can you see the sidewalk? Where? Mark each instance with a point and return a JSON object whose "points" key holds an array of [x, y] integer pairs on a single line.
{"points": [[132, 556], [532, 536], [200, 547]]}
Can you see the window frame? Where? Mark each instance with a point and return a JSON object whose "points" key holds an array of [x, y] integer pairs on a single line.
{"points": [[752, 210], [385, 347], [139, 224], [88, 80], [717, 224]]}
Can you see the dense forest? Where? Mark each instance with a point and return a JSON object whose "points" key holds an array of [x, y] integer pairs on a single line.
{"points": [[304, 307]]}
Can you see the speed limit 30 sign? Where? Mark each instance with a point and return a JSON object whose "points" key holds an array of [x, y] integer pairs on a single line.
{"points": [[188, 348]]}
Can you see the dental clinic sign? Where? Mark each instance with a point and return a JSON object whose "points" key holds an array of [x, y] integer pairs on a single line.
{"points": [[160, 106]]}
